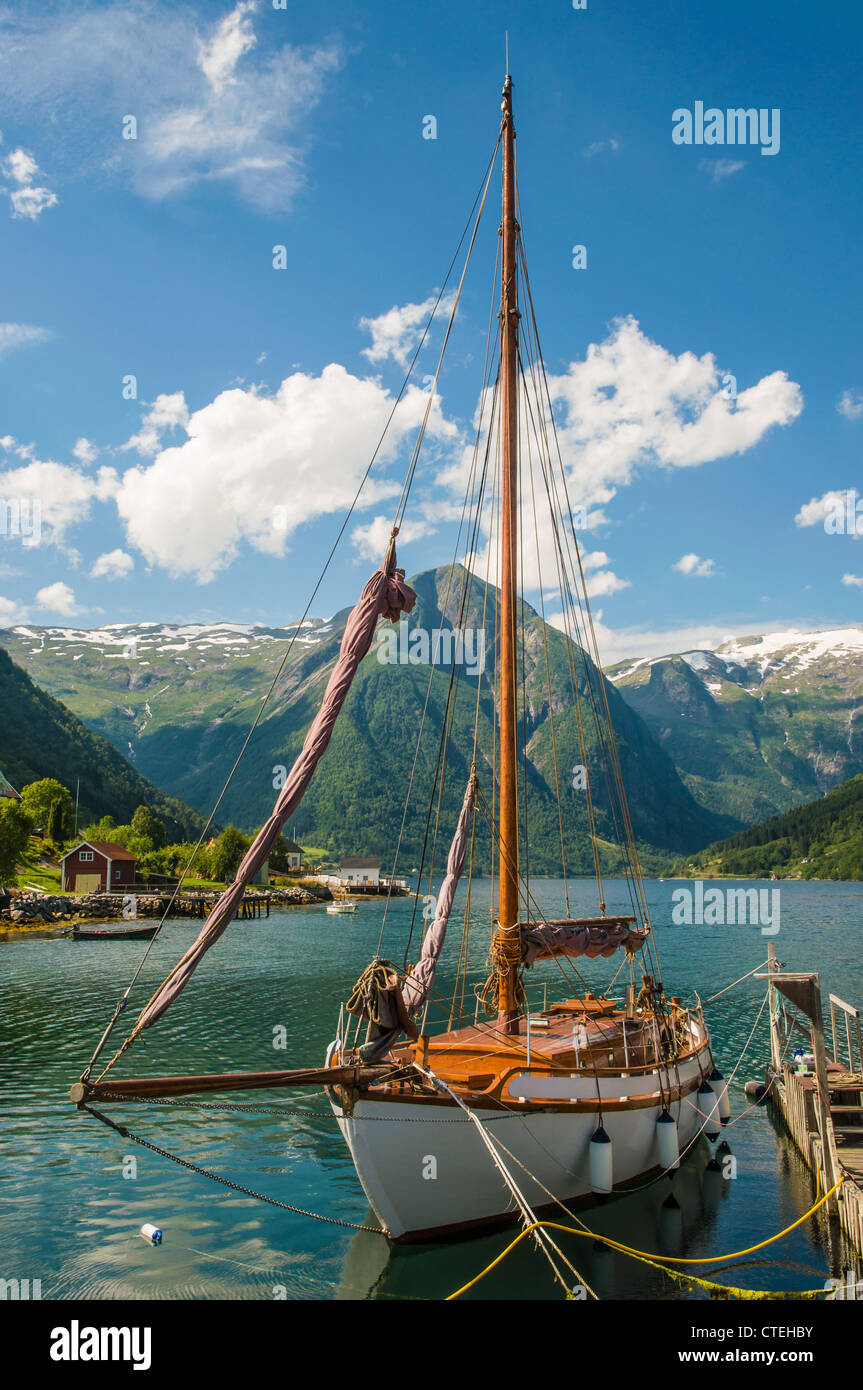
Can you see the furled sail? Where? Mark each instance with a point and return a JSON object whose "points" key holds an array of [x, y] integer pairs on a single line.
{"points": [[586, 936], [417, 986], [385, 595]]}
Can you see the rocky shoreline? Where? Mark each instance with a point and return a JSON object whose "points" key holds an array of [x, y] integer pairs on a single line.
{"points": [[47, 909]]}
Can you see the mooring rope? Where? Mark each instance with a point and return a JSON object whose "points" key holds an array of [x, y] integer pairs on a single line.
{"points": [[226, 1182], [659, 1261]]}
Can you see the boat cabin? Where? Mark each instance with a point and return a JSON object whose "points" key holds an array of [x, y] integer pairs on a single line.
{"points": [[97, 866]]}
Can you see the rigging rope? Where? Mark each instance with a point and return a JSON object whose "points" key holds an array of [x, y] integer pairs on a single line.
{"points": [[521, 1201], [481, 194]]}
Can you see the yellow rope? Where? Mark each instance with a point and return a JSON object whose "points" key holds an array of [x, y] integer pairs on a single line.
{"points": [[720, 1290]]}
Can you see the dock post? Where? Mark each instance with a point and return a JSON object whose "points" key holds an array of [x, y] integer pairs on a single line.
{"points": [[772, 967]]}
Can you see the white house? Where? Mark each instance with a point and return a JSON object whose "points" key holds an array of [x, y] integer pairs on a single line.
{"points": [[294, 853], [360, 871]]}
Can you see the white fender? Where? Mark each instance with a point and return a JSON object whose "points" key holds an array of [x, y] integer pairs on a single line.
{"points": [[708, 1105], [601, 1163], [720, 1086], [667, 1142]]}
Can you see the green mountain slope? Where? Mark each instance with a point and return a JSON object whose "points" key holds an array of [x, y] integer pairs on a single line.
{"points": [[180, 700], [823, 839], [39, 737], [760, 725]]}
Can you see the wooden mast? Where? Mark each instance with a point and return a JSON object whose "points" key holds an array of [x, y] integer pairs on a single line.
{"points": [[507, 943]]}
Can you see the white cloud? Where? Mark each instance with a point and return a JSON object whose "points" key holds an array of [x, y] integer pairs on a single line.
{"points": [[600, 146], [233, 37], [62, 494], [211, 104], [31, 202], [254, 467], [396, 333], [632, 404], [114, 564], [850, 404], [372, 540], [166, 412], [26, 200], [855, 580], [629, 406], [17, 335], [818, 508], [693, 564], [605, 582], [20, 166], [11, 612], [58, 598], [85, 451], [719, 169], [617, 644]]}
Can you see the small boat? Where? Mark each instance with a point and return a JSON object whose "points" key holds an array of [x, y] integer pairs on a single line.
{"points": [[111, 933], [338, 908]]}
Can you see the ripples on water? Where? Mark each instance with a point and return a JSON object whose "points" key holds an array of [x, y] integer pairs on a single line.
{"points": [[70, 1217]]}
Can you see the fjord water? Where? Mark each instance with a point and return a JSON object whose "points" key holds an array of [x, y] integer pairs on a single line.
{"points": [[70, 1218]]}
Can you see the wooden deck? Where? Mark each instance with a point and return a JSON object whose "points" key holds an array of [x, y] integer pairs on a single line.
{"points": [[590, 1036], [822, 1107]]}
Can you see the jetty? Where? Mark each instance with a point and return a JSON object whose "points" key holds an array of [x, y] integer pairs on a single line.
{"points": [[819, 1093], [35, 909]]}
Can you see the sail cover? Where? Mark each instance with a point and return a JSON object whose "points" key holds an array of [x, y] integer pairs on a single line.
{"points": [[589, 937], [417, 986], [385, 595]]}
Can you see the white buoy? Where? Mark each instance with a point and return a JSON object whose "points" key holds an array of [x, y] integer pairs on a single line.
{"points": [[708, 1105], [601, 1163], [151, 1233], [720, 1086], [667, 1142]]}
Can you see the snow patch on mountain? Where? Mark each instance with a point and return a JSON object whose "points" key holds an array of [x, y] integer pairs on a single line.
{"points": [[746, 661]]}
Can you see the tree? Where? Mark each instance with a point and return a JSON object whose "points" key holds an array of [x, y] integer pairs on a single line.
{"points": [[57, 822], [226, 854], [100, 830], [147, 826], [15, 830], [38, 798]]}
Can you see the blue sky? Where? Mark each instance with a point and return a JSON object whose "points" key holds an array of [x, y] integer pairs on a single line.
{"points": [[260, 391]]}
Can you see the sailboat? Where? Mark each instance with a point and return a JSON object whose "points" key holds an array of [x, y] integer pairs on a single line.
{"points": [[469, 1120]]}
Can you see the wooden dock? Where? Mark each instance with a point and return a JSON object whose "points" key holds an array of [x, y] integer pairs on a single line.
{"points": [[822, 1104]]}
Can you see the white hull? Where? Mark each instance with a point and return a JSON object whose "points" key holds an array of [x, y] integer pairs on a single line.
{"points": [[426, 1171]]}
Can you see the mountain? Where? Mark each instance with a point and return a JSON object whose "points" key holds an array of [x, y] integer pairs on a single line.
{"points": [[180, 699], [823, 839], [39, 737], [759, 725]]}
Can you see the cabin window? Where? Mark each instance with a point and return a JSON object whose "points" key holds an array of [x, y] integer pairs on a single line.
{"points": [[116, 873], [86, 856]]}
